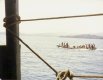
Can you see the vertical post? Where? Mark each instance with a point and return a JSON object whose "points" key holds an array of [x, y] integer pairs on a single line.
{"points": [[2, 58], [11, 61]]}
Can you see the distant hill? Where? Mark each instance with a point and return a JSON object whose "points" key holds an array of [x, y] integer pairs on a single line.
{"points": [[87, 36]]}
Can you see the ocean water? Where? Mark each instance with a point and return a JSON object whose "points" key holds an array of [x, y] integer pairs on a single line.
{"points": [[80, 62]]}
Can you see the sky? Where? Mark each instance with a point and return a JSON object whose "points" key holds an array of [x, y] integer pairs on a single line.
{"points": [[32, 9]]}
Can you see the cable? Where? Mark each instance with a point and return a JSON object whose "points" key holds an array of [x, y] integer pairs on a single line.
{"points": [[70, 76], [88, 76], [51, 18], [31, 50], [63, 17]]}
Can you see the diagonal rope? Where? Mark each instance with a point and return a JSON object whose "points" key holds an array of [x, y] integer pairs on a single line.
{"points": [[65, 75], [63, 17], [31, 50], [70, 76]]}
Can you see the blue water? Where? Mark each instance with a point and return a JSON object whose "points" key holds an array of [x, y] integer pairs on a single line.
{"points": [[80, 62]]}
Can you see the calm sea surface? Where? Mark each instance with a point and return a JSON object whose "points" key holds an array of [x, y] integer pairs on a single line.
{"points": [[80, 62]]}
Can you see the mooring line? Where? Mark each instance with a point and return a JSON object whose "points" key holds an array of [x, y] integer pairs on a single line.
{"points": [[32, 50], [62, 17]]}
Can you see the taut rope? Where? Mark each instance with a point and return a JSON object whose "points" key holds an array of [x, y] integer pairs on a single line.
{"points": [[62, 75]]}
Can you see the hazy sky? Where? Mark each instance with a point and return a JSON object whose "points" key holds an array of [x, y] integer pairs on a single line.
{"points": [[50, 8]]}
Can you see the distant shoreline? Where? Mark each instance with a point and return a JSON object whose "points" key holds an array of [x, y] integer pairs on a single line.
{"points": [[84, 36]]}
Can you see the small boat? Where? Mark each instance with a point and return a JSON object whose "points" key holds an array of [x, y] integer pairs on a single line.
{"points": [[90, 47]]}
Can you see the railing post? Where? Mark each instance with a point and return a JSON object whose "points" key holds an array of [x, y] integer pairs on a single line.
{"points": [[11, 60]]}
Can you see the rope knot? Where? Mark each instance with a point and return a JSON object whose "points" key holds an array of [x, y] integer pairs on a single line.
{"points": [[70, 75], [11, 20], [62, 75]]}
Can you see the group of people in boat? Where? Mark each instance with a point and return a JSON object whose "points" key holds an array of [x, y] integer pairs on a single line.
{"points": [[84, 46]]}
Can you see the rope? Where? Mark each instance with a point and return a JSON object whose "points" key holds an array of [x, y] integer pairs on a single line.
{"points": [[31, 50], [9, 23], [62, 75], [18, 20], [6, 19], [88, 76], [63, 17]]}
